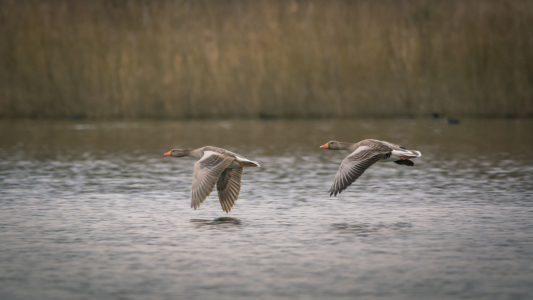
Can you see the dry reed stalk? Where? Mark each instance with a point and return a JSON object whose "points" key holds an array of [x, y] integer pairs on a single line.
{"points": [[203, 59]]}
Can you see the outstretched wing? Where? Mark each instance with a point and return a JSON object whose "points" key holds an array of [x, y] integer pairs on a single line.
{"points": [[206, 172], [228, 187], [353, 166], [380, 145]]}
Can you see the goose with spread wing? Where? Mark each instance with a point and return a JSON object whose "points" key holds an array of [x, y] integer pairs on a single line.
{"points": [[216, 166], [364, 154]]}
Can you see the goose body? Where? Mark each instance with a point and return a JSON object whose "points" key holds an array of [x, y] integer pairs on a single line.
{"points": [[215, 166], [364, 154]]}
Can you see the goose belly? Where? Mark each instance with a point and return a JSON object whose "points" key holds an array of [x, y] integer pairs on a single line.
{"points": [[240, 162], [234, 164], [397, 155], [390, 158]]}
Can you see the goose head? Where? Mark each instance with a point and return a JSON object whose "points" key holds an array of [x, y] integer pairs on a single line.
{"points": [[177, 153], [334, 145]]}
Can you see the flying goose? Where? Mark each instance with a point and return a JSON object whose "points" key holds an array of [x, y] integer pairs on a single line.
{"points": [[365, 154], [216, 165]]}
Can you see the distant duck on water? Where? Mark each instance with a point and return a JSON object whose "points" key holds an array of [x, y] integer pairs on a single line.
{"points": [[216, 166], [365, 154]]}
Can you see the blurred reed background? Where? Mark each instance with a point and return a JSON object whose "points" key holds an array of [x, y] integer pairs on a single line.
{"points": [[203, 59]]}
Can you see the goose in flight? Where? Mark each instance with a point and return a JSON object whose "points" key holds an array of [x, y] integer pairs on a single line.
{"points": [[364, 154], [216, 166]]}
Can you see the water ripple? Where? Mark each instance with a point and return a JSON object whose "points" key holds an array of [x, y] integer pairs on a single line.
{"points": [[96, 211]]}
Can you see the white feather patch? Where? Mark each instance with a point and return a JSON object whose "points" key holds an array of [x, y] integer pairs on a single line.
{"points": [[207, 154], [362, 148]]}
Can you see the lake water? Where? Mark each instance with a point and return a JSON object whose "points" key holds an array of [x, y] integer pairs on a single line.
{"points": [[93, 210]]}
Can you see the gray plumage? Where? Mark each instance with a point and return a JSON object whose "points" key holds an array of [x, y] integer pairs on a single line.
{"points": [[365, 154], [228, 187], [216, 166]]}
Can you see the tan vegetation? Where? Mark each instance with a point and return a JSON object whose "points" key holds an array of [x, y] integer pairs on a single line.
{"points": [[184, 59]]}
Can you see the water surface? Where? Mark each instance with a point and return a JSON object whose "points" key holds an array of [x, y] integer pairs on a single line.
{"points": [[94, 210]]}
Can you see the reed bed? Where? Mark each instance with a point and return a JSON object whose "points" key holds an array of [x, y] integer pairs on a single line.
{"points": [[223, 59]]}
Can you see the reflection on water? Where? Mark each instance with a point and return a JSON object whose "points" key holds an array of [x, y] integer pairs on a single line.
{"points": [[217, 221], [94, 210]]}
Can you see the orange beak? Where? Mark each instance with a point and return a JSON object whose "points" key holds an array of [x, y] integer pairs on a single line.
{"points": [[167, 154], [325, 146]]}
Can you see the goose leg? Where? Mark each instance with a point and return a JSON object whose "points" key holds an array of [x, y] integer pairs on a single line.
{"points": [[405, 163]]}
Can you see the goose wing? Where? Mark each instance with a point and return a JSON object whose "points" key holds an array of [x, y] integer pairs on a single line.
{"points": [[353, 166], [206, 172], [381, 145], [228, 187]]}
